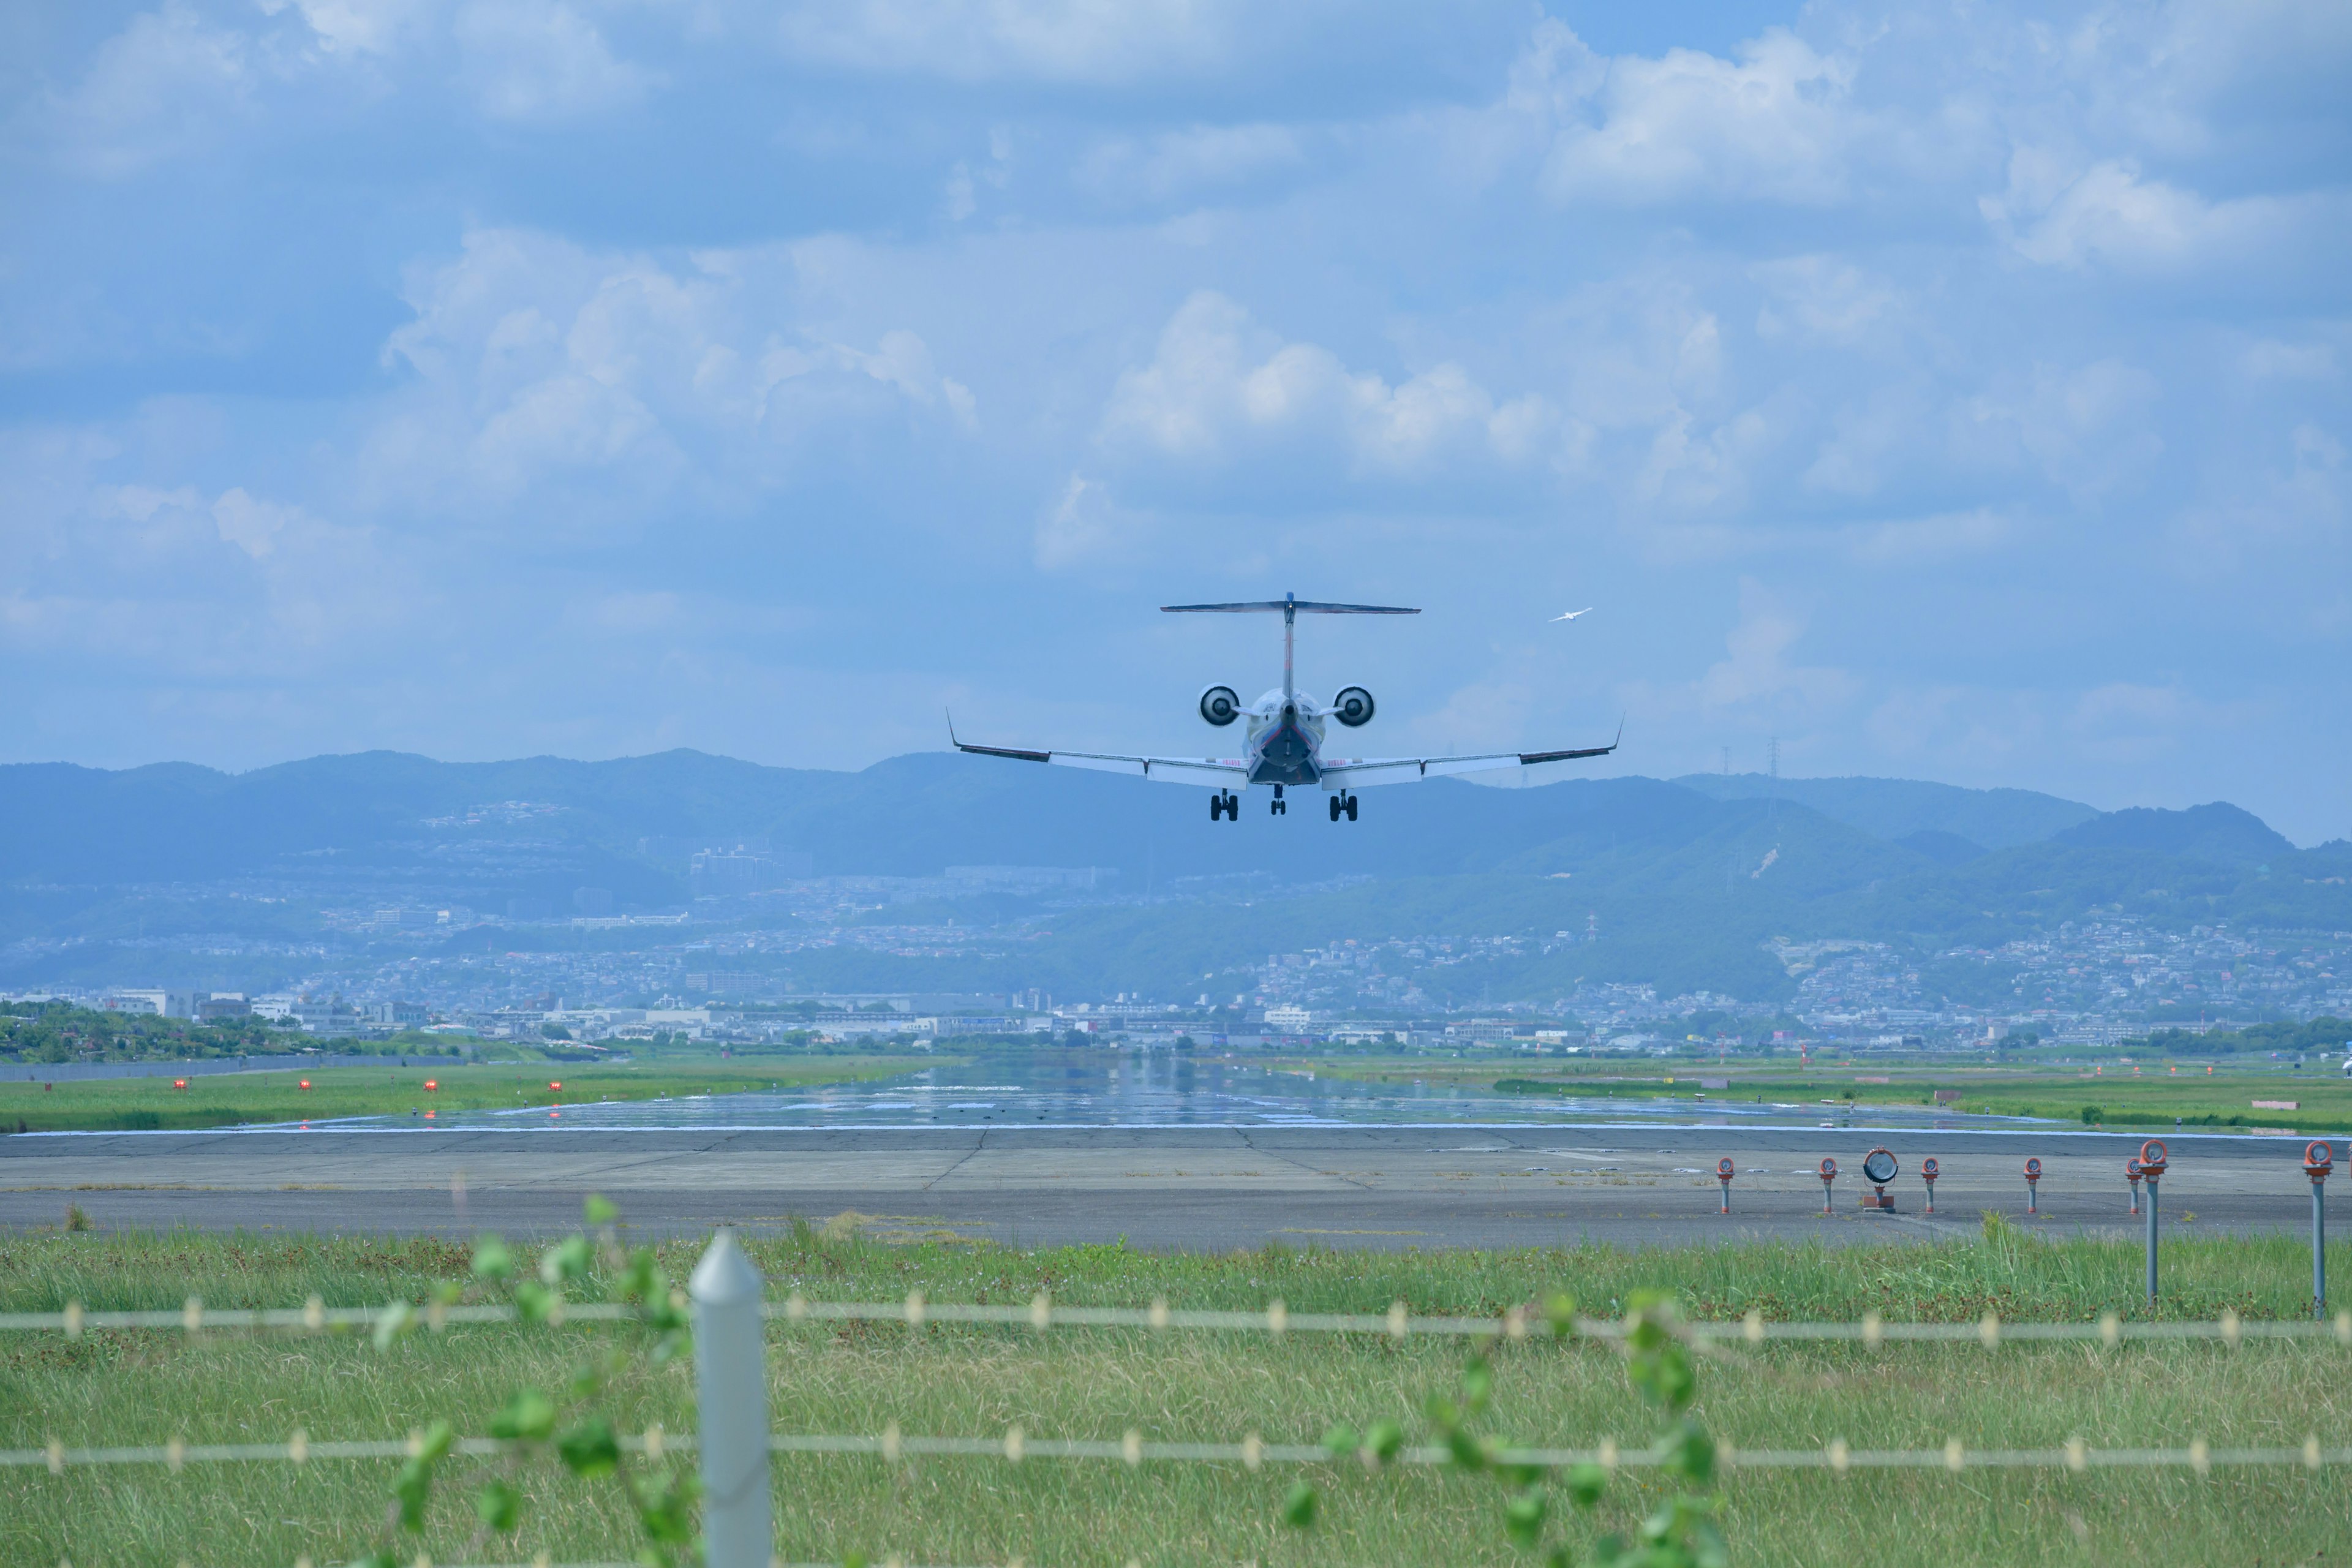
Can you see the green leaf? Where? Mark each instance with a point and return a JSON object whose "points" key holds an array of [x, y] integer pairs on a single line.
{"points": [[1385, 1439], [567, 1259], [498, 1506], [1464, 1450], [1523, 1516], [535, 1301], [1710, 1549], [1342, 1440], [409, 1489], [491, 1258], [590, 1448], [1298, 1507], [1586, 1482], [435, 1446], [600, 1209], [528, 1416], [1689, 1449], [1477, 1384], [664, 1502], [448, 1292], [1559, 1307], [1442, 1411]]}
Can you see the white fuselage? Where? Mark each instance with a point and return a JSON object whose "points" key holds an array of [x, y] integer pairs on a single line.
{"points": [[1286, 738]]}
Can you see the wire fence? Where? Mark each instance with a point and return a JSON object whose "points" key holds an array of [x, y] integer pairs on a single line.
{"points": [[1275, 1319], [1252, 1453]]}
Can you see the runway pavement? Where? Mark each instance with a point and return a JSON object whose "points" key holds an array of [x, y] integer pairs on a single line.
{"points": [[1163, 1188]]}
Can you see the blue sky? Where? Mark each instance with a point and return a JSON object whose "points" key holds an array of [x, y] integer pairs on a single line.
{"points": [[1952, 391]]}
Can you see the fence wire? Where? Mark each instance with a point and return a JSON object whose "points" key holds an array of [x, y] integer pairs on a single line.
{"points": [[1015, 1446], [1275, 1319]]}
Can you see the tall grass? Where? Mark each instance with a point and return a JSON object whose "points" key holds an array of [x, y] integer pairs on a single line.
{"points": [[149, 1386]]}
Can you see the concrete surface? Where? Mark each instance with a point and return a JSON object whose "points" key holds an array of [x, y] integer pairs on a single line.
{"points": [[1160, 1188]]}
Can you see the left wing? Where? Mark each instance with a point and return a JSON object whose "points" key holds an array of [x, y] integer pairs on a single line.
{"points": [[1368, 770], [1174, 770]]}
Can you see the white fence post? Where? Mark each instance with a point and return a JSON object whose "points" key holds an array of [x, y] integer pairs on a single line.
{"points": [[731, 1377]]}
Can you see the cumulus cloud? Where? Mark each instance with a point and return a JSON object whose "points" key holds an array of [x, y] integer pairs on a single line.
{"points": [[542, 61], [163, 86], [1776, 123], [535, 358], [1219, 386]]}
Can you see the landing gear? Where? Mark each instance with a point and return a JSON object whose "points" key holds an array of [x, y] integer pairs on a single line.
{"points": [[1343, 803], [1281, 807], [1225, 804]]}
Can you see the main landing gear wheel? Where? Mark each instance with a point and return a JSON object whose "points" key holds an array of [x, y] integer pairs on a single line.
{"points": [[1281, 807], [1225, 804], [1343, 803]]}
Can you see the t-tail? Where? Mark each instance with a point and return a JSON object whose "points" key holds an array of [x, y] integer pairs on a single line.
{"points": [[1292, 607]]}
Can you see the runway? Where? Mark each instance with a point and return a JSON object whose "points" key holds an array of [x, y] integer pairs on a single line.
{"points": [[1197, 1187]]}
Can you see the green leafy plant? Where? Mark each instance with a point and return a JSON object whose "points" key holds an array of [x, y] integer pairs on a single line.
{"points": [[1681, 1532], [569, 1428]]}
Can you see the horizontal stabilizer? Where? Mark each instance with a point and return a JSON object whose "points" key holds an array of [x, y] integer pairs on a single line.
{"points": [[1304, 606]]}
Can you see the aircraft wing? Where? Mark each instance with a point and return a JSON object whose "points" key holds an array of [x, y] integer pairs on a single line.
{"points": [[1173, 770], [1358, 773]]}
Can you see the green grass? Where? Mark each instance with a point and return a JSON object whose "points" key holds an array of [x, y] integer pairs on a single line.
{"points": [[233, 1098], [148, 1386], [2152, 1098]]}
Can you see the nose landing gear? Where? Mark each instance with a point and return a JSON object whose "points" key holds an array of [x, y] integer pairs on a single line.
{"points": [[1343, 803], [1225, 804]]}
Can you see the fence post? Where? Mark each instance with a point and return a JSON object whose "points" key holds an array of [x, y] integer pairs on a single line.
{"points": [[2151, 1158], [731, 1384], [2317, 1160]]}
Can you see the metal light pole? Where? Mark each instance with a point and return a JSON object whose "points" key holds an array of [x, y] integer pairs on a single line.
{"points": [[2151, 1167], [2032, 1185], [730, 1374], [1723, 1173], [1928, 1171], [1829, 1175], [2318, 1159]]}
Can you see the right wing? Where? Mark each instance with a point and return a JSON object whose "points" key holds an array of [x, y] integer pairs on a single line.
{"points": [[1369, 771], [1174, 770]]}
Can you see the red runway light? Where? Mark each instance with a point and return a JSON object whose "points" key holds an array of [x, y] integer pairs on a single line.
{"points": [[431, 1084], [179, 1083], [306, 1083], [552, 1084]]}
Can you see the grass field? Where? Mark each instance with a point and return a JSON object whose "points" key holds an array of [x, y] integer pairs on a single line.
{"points": [[146, 1387], [2152, 1097], [228, 1100]]}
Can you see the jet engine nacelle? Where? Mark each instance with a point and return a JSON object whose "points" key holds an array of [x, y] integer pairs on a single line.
{"points": [[1352, 707], [1221, 705]]}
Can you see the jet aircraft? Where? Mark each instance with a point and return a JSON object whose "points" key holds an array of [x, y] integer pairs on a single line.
{"points": [[1283, 739]]}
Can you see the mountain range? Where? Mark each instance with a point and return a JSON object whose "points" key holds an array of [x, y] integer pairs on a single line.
{"points": [[1689, 876]]}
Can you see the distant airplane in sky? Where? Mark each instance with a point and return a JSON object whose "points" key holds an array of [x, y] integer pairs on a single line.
{"points": [[1284, 738], [1573, 615]]}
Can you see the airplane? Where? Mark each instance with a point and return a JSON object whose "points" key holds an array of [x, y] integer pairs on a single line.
{"points": [[1572, 614], [1283, 742]]}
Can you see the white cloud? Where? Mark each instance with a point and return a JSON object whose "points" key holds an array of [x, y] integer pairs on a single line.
{"points": [[1775, 124], [535, 358], [1756, 669], [1062, 41], [356, 27], [542, 61], [1826, 300], [2091, 429], [2111, 213], [1220, 387], [162, 88]]}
